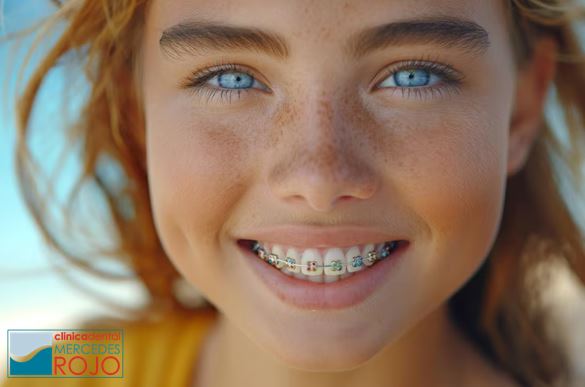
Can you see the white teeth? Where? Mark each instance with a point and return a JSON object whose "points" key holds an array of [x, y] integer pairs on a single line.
{"points": [[367, 248], [321, 265], [334, 262], [315, 278], [312, 263], [293, 254], [352, 261], [365, 254], [277, 250]]}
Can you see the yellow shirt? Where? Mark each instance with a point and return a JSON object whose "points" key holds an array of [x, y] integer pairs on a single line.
{"points": [[156, 354]]}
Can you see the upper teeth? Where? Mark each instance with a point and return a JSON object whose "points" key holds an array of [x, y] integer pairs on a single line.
{"points": [[313, 261]]}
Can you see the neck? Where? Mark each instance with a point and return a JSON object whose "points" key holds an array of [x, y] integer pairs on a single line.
{"points": [[431, 354]]}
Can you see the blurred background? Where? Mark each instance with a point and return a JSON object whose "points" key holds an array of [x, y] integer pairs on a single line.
{"points": [[38, 289]]}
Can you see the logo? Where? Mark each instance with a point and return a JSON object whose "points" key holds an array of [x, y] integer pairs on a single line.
{"points": [[73, 353]]}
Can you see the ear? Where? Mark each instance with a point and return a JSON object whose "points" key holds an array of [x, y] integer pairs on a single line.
{"points": [[534, 79]]}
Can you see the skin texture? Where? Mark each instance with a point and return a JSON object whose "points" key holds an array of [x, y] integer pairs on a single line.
{"points": [[323, 148]]}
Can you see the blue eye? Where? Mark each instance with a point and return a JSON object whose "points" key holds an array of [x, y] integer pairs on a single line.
{"points": [[416, 76], [233, 80], [225, 81], [412, 78], [421, 76]]}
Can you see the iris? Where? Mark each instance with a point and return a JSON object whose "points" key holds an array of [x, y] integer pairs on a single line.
{"points": [[412, 78], [235, 80]]}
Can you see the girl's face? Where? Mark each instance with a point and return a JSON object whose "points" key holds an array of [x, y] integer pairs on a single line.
{"points": [[410, 133]]}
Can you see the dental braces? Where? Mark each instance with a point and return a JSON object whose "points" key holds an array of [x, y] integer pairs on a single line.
{"points": [[335, 265]]}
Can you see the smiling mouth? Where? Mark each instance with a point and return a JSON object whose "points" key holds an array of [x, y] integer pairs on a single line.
{"points": [[322, 265]]}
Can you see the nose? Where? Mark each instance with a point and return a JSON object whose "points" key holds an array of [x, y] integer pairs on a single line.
{"points": [[322, 159]]}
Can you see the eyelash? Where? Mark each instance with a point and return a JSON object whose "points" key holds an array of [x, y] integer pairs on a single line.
{"points": [[450, 80], [196, 82]]}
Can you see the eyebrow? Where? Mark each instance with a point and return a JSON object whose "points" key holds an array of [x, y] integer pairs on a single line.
{"points": [[197, 36]]}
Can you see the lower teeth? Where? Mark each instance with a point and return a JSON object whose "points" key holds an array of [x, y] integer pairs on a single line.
{"points": [[386, 250]]}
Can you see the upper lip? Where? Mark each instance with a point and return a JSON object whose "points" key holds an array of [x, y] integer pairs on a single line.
{"points": [[320, 237]]}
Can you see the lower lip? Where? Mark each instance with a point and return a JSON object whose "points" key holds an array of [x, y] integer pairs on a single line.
{"points": [[341, 294]]}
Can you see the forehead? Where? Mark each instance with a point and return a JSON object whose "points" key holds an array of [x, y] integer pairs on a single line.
{"points": [[322, 20]]}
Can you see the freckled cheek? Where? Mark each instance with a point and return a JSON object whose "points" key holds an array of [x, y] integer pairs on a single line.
{"points": [[455, 181], [196, 172]]}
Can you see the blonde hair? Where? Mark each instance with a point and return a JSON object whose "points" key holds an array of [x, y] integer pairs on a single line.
{"points": [[494, 308]]}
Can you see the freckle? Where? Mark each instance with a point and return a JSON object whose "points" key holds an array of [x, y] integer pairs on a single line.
{"points": [[325, 33], [284, 115], [325, 111], [225, 141], [281, 119], [376, 137]]}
